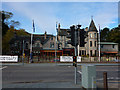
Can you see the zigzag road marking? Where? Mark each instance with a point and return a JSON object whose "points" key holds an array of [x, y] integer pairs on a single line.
{"points": [[3, 67]]}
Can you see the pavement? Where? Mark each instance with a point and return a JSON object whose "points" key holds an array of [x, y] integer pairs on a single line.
{"points": [[44, 85]]}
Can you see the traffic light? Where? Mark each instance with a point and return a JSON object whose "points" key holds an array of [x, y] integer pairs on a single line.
{"points": [[75, 61], [73, 36], [82, 37], [76, 35]]}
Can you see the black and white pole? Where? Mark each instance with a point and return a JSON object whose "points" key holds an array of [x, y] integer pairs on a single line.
{"points": [[76, 60]]}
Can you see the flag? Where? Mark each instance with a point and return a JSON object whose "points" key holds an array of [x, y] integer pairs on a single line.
{"points": [[56, 27], [99, 29], [33, 26]]}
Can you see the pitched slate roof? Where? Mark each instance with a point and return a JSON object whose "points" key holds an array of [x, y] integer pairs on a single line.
{"points": [[62, 32], [92, 26], [35, 38]]}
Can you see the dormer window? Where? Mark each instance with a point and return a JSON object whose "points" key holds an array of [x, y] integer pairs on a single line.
{"points": [[38, 45], [51, 45]]}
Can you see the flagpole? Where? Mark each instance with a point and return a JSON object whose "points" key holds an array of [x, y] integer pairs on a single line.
{"points": [[33, 30], [99, 43], [56, 44]]}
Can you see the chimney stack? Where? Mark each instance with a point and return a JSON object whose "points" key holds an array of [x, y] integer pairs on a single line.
{"points": [[58, 27], [86, 29], [45, 36]]}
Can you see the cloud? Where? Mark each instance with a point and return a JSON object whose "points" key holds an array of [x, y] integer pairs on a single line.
{"points": [[45, 15], [103, 14], [107, 14]]}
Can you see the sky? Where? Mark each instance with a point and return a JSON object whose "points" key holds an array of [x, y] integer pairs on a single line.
{"points": [[46, 14]]}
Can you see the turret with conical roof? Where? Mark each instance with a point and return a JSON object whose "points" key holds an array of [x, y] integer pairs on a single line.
{"points": [[92, 26], [91, 44]]}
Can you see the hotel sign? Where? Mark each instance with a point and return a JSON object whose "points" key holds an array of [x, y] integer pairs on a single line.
{"points": [[69, 59], [8, 58]]}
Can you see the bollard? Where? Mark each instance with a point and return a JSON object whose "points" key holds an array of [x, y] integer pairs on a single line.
{"points": [[28, 59], [105, 81]]}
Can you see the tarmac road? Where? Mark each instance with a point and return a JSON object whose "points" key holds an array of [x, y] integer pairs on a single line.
{"points": [[52, 76]]}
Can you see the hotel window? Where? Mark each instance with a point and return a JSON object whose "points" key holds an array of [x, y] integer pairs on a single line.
{"points": [[82, 52], [90, 52], [90, 35], [65, 44], [113, 46], [101, 46], [85, 53], [90, 43], [95, 44], [26, 46], [95, 52], [95, 35]]}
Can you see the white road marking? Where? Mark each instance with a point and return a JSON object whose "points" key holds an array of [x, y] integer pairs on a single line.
{"points": [[3, 67], [69, 66], [79, 72], [110, 78], [108, 70]]}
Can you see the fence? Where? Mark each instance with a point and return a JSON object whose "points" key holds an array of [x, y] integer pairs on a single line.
{"points": [[102, 59], [83, 59], [39, 59]]}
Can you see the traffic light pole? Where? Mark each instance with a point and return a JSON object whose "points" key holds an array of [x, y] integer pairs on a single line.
{"points": [[75, 71], [76, 60]]}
